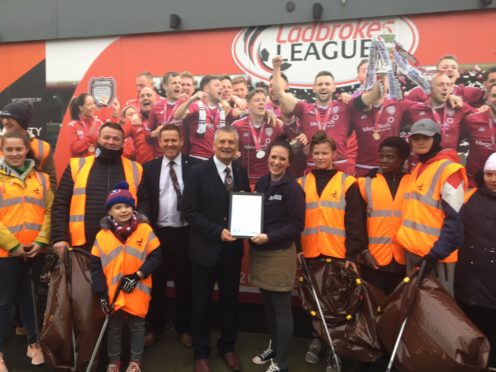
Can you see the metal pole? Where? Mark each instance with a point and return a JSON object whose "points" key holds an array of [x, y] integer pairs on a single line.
{"points": [[321, 314]]}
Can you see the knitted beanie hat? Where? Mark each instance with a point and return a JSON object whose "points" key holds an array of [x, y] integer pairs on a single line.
{"points": [[19, 110], [120, 194]]}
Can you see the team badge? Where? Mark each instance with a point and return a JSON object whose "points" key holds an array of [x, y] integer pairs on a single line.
{"points": [[102, 89], [269, 131], [391, 110], [335, 109]]}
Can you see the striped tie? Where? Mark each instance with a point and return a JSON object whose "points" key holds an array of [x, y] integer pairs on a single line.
{"points": [[229, 179], [175, 183]]}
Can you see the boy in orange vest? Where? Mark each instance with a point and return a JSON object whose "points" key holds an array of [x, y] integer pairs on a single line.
{"points": [[124, 255], [383, 191]]}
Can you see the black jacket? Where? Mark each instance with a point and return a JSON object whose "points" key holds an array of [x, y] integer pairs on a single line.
{"points": [[149, 191], [475, 279], [103, 176], [205, 206], [284, 212]]}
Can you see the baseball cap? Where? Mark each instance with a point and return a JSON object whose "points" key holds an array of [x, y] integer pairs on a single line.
{"points": [[427, 127]]}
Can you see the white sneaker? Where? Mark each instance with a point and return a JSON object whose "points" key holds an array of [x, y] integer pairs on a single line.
{"points": [[274, 367], [3, 367], [265, 356], [34, 352]]}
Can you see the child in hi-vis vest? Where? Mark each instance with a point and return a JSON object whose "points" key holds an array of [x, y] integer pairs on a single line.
{"points": [[123, 256]]}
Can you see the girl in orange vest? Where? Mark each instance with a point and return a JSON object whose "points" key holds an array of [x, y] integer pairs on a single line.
{"points": [[25, 203], [124, 255], [382, 191], [334, 219]]}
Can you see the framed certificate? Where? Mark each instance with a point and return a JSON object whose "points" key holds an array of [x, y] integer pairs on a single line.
{"points": [[245, 214]]}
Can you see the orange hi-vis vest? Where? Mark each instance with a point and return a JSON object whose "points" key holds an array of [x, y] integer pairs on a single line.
{"points": [[422, 214], [324, 232], [23, 207], [383, 217], [119, 259], [40, 149], [80, 170]]}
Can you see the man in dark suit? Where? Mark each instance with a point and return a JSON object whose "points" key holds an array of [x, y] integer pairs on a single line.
{"points": [[160, 196], [215, 253]]}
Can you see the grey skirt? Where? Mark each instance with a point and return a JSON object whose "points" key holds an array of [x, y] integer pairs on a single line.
{"points": [[273, 270]]}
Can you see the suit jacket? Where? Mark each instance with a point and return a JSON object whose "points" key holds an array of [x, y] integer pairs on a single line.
{"points": [[205, 205], [149, 191]]}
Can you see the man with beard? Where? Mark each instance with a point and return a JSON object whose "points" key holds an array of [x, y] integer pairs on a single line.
{"points": [[78, 206], [448, 64], [333, 117], [438, 109], [202, 114]]}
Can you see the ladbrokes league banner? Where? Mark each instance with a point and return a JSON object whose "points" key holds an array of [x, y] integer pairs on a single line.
{"points": [[50, 73]]}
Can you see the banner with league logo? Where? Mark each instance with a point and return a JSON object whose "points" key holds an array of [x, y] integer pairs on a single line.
{"points": [[334, 46], [50, 73]]}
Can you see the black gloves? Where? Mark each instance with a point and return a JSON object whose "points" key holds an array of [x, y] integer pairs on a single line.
{"points": [[129, 282], [426, 265], [107, 308]]}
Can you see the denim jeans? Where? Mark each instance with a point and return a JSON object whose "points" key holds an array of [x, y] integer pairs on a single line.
{"points": [[15, 286]]}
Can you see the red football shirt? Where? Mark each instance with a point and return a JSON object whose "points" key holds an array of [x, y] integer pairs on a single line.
{"points": [[252, 141], [334, 120], [480, 128]]}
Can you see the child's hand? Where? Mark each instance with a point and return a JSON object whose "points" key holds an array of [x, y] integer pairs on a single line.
{"points": [[129, 282], [107, 308]]}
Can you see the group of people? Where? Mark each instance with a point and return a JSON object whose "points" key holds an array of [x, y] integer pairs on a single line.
{"points": [[146, 199]]}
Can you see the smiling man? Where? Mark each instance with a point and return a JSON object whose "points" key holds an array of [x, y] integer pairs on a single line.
{"points": [[160, 196], [202, 114], [214, 252], [255, 135], [78, 206], [448, 64]]}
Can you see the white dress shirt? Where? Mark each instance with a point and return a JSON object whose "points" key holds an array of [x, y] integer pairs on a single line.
{"points": [[221, 167], [168, 215]]}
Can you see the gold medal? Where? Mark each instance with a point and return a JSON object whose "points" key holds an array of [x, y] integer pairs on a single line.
{"points": [[376, 136]]}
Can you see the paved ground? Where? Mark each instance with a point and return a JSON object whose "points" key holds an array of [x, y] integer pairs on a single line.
{"points": [[168, 355]]}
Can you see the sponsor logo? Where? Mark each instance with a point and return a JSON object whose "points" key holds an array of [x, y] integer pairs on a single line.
{"points": [[275, 197], [310, 48], [486, 145]]}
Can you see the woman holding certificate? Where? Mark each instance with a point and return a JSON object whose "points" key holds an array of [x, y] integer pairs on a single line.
{"points": [[335, 216], [273, 253]]}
